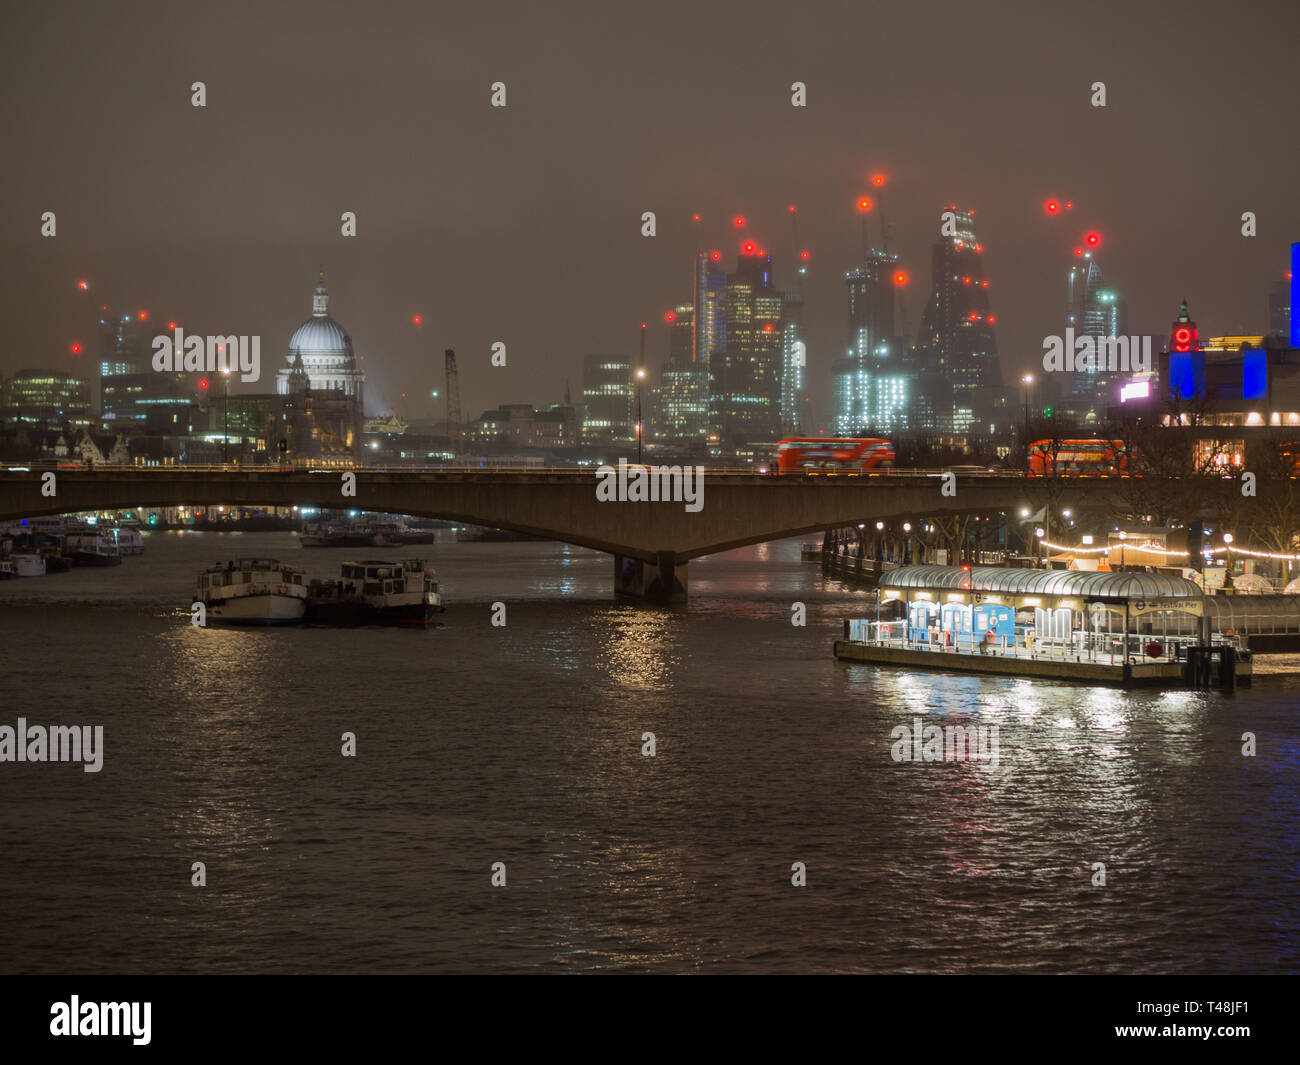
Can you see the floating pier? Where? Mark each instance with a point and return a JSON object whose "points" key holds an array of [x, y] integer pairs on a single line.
{"points": [[1123, 629]]}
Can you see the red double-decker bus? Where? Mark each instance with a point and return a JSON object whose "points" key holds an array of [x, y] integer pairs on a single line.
{"points": [[1078, 458], [820, 455]]}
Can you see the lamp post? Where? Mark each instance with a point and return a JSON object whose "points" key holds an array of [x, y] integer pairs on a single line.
{"points": [[640, 376], [1122, 537], [1028, 381]]}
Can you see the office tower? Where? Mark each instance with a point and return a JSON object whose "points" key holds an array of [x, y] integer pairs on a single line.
{"points": [[46, 399], [609, 397], [794, 364], [745, 376], [132, 395], [957, 345], [681, 400], [1095, 311], [874, 383]]}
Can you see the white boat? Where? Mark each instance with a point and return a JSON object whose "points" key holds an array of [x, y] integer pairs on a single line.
{"points": [[128, 540], [26, 565], [253, 591], [91, 546]]}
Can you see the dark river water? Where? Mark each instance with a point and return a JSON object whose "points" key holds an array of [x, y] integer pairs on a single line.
{"points": [[523, 745]]}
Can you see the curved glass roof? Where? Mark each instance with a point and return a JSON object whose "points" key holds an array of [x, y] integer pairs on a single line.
{"points": [[1040, 582]]}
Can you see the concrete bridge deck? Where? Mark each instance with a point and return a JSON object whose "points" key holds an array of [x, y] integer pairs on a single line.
{"points": [[651, 541]]}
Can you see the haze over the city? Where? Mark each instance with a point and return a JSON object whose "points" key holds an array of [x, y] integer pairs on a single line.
{"points": [[523, 224]]}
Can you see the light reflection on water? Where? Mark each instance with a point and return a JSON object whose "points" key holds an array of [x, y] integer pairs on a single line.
{"points": [[523, 744]]}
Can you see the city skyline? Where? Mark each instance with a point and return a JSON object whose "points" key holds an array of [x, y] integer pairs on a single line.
{"points": [[496, 249]]}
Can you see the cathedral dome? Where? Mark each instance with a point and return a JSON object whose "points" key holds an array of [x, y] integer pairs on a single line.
{"points": [[320, 355], [320, 336]]}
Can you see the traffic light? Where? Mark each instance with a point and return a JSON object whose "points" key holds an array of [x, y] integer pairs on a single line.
{"points": [[1047, 412]]}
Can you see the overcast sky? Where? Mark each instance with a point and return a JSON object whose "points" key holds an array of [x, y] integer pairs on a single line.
{"points": [[523, 225]]}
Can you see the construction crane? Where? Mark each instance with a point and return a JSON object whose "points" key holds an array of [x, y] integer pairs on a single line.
{"points": [[453, 401]]}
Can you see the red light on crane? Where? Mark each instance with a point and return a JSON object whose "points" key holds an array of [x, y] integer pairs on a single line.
{"points": [[669, 316], [1092, 238], [864, 204], [740, 221], [878, 180], [748, 247], [803, 255]]}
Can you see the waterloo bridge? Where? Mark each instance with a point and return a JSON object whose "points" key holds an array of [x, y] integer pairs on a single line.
{"points": [[651, 542]]}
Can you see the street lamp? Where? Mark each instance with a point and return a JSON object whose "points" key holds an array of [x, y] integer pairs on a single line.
{"points": [[640, 376], [1122, 537], [1028, 381]]}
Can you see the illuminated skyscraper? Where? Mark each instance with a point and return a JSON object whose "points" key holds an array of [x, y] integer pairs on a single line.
{"points": [[794, 362], [681, 398], [1095, 311], [957, 345], [607, 394], [745, 375], [873, 383]]}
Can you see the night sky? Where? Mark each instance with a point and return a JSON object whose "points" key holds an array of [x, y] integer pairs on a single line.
{"points": [[523, 225]]}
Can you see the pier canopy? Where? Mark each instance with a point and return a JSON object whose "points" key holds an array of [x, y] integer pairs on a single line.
{"points": [[1039, 587]]}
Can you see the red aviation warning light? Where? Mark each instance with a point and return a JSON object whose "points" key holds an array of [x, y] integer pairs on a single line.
{"points": [[143, 315], [900, 278], [740, 221], [1092, 239], [715, 255], [991, 319], [878, 180], [416, 319], [669, 316], [203, 385], [767, 327], [76, 349], [695, 218], [803, 255], [864, 204], [748, 247], [792, 209], [83, 285], [1053, 207]]}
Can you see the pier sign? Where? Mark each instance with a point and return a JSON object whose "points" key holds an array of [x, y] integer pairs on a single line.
{"points": [[1150, 606]]}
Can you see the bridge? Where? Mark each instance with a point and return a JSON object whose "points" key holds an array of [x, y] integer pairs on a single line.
{"points": [[651, 541]]}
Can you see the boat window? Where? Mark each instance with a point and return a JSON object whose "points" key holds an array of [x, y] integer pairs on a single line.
{"points": [[373, 588]]}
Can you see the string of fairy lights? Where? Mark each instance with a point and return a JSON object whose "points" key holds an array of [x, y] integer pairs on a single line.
{"points": [[1154, 549]]}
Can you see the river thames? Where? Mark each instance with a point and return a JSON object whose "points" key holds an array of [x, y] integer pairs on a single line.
{"points": [[523, 745]]}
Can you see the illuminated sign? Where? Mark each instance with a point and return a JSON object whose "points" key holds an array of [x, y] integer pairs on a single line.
{"points": [[1135, 390]]}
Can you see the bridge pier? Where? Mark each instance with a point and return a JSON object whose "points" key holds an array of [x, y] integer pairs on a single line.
{"points": [[655, 582]]}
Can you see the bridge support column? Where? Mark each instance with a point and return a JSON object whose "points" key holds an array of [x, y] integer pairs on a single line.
{"points": [[656, 582]]}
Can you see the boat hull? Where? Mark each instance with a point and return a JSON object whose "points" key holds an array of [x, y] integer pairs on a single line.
{"points": [[256, 610]]}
